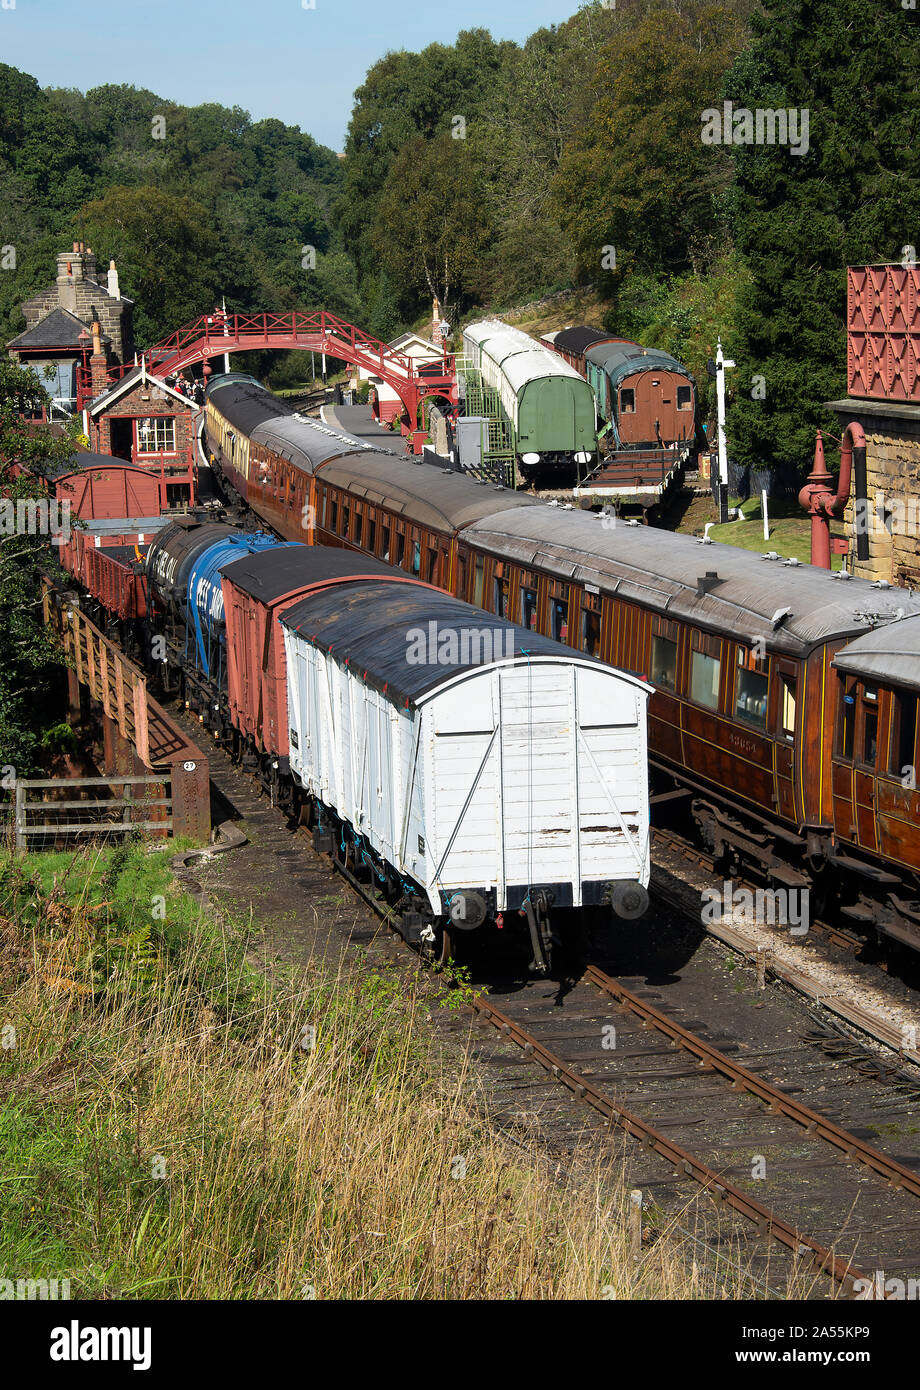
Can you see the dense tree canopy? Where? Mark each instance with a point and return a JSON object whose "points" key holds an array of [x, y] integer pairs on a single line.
{"points": [[28, 655], [799, 220], [490, 173]]}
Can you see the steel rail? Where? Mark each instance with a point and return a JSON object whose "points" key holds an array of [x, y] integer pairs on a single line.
{"points": [[712, 1059], [768, 1224]]}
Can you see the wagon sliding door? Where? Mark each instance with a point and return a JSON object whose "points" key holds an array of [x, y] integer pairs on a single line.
{"points": [[573, 794]]}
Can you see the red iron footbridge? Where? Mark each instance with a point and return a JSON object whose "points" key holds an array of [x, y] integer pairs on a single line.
{"points": [[212, 335]]}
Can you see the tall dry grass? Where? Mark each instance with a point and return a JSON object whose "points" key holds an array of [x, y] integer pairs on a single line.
{"points": [[178, 1122]]}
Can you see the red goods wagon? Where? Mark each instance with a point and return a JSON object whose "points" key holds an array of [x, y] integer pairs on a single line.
{"points": [[257, 590], [114, 576], [883, 332], [99, 486]]}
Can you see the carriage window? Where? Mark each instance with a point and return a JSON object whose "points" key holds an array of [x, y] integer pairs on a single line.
{"points": [[664, 663], [400, 547], [501, 598], [904, 734], [385, 531], [627, 400], [704, 679], [528, 608], [870, 726], [478, 582], [416, 557], [432, 565], [371, 542], [684, 397], [870, 737], [559, 619], [346, 519], [334, 516], [787, 706], [847, 723], [751, 696], [590, 631]]}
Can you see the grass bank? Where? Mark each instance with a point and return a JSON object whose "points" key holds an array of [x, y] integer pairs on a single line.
{"points": [[178, 1120]]}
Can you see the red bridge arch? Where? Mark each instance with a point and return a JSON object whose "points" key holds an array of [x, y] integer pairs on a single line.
{"points": [[212, 335]]}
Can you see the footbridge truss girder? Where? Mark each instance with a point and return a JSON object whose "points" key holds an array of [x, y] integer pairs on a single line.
{"points": [[211, 336]]}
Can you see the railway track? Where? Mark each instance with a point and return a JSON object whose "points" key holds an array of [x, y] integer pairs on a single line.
{"points": [[782, 1142]]}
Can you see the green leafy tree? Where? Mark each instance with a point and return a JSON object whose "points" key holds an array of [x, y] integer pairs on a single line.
{"points": [[429, 232], [28, 655], [637, 177], [163, 249], [852, 199]]}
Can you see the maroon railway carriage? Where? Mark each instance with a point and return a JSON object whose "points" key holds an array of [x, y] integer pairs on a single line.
{"points": [[257, 590]]}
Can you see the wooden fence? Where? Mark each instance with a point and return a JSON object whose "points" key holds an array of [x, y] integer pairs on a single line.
{"points": [[58, 815]]}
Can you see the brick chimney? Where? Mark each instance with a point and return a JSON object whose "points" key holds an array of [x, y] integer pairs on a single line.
{"points": [[98, 366], [69, 271]]}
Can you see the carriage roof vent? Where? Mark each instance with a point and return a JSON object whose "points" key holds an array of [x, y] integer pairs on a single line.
{"points": [[706, 582]]}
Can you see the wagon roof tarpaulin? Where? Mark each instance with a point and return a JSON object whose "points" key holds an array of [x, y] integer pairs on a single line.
{"points": [[369, 625], [270, 575], [579, 337]]}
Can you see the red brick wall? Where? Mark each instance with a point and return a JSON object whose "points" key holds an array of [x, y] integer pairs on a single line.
{"points": [[146, 399]]}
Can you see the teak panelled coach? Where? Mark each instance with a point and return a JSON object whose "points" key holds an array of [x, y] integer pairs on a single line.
{"points": [[755, 735]]}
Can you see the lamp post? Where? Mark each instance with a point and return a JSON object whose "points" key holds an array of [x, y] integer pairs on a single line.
{"points": [[723, 364]]}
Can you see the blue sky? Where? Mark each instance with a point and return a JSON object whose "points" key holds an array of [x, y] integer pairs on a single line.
{"points": [[272, 57]]}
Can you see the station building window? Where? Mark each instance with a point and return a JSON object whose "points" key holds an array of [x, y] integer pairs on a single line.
{"points": [[704, 679], [663, 669], [156, 434]]}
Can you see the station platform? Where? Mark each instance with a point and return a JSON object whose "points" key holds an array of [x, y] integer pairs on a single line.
{"points": [[359, 421]]}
